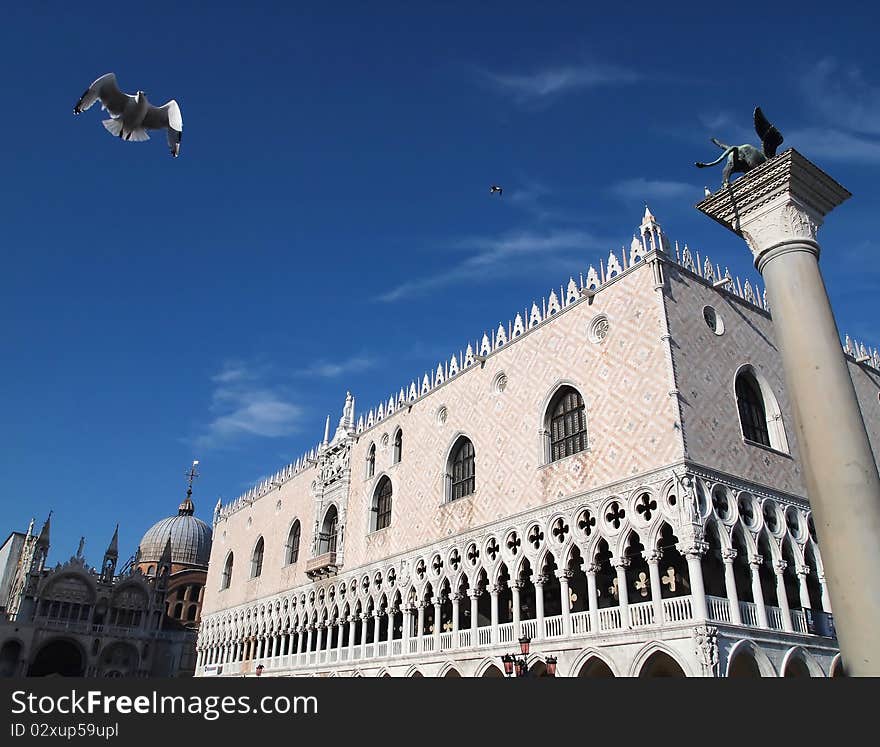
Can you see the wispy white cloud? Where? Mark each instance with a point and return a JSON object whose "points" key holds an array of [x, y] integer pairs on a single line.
{"points": [[242, 406], [549, 82], [331, 369], [835, 145], [644, 189], [843, 96], [488, 256]]}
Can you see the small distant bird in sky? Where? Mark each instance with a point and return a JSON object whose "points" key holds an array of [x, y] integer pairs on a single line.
{"points": [[495, 188], [131, 116], [706, 192]]}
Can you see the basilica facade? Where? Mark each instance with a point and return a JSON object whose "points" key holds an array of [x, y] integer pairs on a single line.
{"points": [[73, 620], [612, 475]]}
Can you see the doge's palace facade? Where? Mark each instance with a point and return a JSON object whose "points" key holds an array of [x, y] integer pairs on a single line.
{"points": [[613, 474]]}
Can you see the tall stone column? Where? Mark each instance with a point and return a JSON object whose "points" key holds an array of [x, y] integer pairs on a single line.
{"points": [[781, 596], [455, 600], [758, 590], [803, 590], [515, 587], [352, 630], [420, 624], [728, 555], [653, 558], [620, 566], [436, 623], [493, 594], [826, 598], [778, 209], [475, 616], [593, 597], [694, 557], [539, 608], [564, 577]]}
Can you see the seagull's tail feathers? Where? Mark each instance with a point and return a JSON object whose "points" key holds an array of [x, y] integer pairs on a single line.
{"points": [[114, 127]]}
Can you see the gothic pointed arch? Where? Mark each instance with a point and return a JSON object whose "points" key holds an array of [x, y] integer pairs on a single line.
{"points": [[291, 549], [327, 537], [257, 557], [380, 508], [226, 577]]}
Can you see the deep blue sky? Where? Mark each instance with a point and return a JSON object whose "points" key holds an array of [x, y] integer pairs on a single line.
{"points": [[328, 224]]}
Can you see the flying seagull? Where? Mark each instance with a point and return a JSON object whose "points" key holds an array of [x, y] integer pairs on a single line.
{"points": [[495, 188], [132, 116]]}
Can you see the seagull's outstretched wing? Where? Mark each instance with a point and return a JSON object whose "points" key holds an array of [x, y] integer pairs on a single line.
{"points": [[771, 138], [105, 89], [167, 117]]}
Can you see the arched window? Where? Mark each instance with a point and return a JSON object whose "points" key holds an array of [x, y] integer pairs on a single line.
{"points": [[759, 413], [371, 461], [327, 538], [226, 579], [566, 424], [752, 414], [257, 559], [460, 472], [293, 543], [398, 446], [382, 504]]}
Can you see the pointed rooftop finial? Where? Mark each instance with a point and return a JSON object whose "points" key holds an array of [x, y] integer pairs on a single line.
{"points": [[649, 216], [30, 530], [43, 539], [79, 550], [187, 508], [327, 431], [113, 547]]}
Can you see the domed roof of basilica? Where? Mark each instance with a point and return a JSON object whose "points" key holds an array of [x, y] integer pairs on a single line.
{"points": [[190, 538]]}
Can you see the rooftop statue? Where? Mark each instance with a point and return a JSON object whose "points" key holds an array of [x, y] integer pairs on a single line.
{"points": [[743, 158]]}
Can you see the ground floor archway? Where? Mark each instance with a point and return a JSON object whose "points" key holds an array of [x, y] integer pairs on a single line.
{"points": [[660, 664], [61, 657], [10, 655], [595, 667]]}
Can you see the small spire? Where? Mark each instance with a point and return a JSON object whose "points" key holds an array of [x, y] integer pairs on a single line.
{"points": [[30, 530], [43, 539], [327, 431], [79, 550], [113, 547]]}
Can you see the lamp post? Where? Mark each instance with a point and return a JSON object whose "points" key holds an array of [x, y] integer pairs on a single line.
{"points": [[259, 669], [520, 663]]}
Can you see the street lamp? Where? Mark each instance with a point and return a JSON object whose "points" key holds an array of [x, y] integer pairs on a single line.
{"points": [[521, 664], [259, 669]]}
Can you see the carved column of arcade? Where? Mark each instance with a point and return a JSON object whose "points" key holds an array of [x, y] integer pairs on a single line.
{"points": [[515, 587], [728, 555], [493, 594], [593, 596], [758, 591], [456, 598], [420, 623], [620, 565], [694, 556], [539, 607], [653, 558], [778, 209], [564, 577], [781, 597], [474, 594], [437, 627]]}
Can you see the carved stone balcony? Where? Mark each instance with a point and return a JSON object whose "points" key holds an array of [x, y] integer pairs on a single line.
{"points": [[322, 566]]}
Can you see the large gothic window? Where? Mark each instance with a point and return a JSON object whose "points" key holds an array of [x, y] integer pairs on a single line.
{"points": [[293, 542], [398, 446], [329, 529], [382, 504], [566, 424], [752, 413], [257, 558], [226, 579], [460, 470], [371, 461]]}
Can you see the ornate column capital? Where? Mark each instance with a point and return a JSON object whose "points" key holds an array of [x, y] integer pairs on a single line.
{"points": [[782, 202], [564, 575], [803, 571], [539, 580], [620, 563], [592, 569], [755, 561], [456, 597], [728, 554], [652, 556], [779, 566], [695, 549]]}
